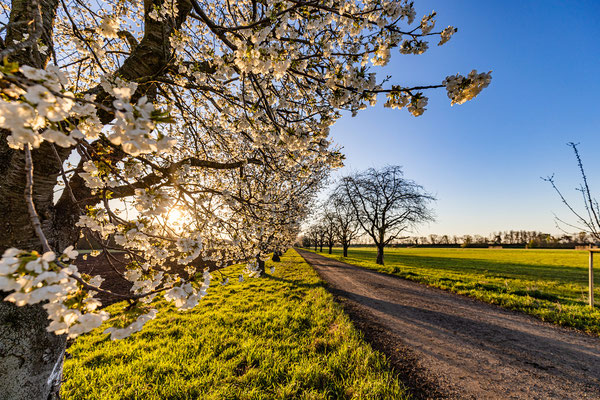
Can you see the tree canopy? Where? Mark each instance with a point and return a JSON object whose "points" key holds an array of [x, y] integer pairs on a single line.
{"points": [[179, 131], [386, 204]]}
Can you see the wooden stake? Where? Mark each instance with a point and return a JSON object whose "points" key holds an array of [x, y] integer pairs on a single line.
{"points": [[591, 278]]}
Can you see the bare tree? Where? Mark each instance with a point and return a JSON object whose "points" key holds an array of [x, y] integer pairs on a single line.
{"points": [[321, 232], [329, 223], [345, 220], [386, 204], [313, 233], [587, 220]]}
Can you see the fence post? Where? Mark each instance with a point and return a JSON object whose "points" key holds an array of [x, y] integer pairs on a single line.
{"points": [[591, 279]]}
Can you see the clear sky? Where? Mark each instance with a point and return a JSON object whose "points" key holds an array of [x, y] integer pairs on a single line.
{"points": [[484, 159]]}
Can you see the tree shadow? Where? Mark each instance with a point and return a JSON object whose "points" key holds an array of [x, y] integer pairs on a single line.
{"points": [[294, 282]]}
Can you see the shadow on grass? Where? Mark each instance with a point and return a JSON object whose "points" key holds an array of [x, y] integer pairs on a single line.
{"points": [[294, 282]]}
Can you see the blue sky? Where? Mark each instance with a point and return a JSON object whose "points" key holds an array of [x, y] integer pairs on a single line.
{"points": [[484, 159]]}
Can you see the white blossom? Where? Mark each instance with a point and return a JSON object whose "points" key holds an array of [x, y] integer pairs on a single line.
{"points": [[446, 35], [109, 27], [461, 89], [136, 326]]}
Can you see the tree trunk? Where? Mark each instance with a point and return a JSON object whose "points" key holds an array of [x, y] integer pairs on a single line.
{"points": [[316, 245], [345, 250], [261, 265], [330, 248], [276, 257], [31, 358], [379, 255], [321, 247]]}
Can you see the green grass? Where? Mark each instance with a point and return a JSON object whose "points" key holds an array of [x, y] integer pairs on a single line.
{"points": [[277, 337], [549, 284]]}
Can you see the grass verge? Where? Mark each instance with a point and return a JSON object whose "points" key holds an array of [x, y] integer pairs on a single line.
{"points": [[277, 337], [548, 284]]}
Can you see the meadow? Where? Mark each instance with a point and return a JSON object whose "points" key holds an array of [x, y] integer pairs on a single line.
{"points": [[280, 336], [549, 284]]}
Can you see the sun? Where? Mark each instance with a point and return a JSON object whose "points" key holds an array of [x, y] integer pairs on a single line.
{"points": [[175, 217]]}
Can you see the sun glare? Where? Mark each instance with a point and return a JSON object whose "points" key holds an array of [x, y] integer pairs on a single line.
{"points": [[175, 217]]}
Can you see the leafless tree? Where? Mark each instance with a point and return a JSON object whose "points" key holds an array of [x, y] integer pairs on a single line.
{"points": [[346, 223], [587, 220], [313, 233], [386, 204]]}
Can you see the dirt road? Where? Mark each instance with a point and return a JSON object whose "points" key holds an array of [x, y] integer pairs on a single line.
{"points": [[449, 346]]}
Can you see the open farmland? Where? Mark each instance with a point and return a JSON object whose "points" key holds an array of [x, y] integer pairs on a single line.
{"points": [[549, 284], [277, 337]]}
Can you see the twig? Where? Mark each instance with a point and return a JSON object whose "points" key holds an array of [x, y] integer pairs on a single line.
{"points": [[33, 215]]}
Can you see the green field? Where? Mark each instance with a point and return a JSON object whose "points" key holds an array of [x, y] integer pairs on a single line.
{"points": [[277, 337], [549, 284]]}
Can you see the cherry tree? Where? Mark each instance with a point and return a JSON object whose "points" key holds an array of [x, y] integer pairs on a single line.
{"points": [[178, 130]]}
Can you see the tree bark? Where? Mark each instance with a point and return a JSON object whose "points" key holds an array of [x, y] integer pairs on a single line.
{"points": [[31, 358], [276, 257], [379, 255], [330, 248], [345, 250], [261, 265]]}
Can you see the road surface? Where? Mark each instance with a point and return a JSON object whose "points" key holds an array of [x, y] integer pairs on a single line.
{"points": [[450, 346]]}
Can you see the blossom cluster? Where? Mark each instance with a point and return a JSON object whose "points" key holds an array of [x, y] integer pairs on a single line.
{"points": [[252, 270], [187, 295], [33, 278], [190, 248], [152, 202], [37, 106], [399, 98], [136, 326], [461, 89], [446, 35]]}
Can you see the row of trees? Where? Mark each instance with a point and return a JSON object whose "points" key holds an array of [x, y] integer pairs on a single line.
{"points": [[115, 116], [513, 238], [314, 237], [380, 204]]}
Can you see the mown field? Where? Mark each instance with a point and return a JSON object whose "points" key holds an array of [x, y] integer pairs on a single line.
{"points": [[277, 337], [549, 284]]}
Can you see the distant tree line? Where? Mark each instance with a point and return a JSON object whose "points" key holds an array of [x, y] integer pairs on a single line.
{"points": [[510, 239]]}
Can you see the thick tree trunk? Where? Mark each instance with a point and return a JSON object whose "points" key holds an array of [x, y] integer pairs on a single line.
{"points": [[379, 255], [316, 245], [276, 257], [345, 250], [320, 247], [330, 248], [30, 357], [261, 265]]}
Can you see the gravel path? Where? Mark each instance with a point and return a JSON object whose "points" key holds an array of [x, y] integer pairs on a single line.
{"points": [[449, 346]]}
